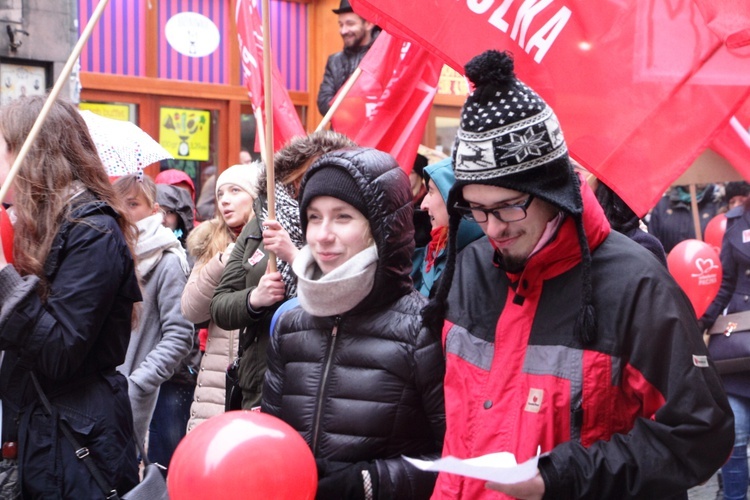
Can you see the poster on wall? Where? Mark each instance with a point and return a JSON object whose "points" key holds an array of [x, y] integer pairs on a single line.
{"points": [[185, 132], [18, 80], [115, 111]]}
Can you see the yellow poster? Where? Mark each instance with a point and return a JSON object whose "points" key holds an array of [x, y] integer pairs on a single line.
{"points": [[114, 111], [185, 132]]}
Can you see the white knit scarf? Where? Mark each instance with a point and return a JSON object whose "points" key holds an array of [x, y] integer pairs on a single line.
{"points": [[153, 240], [338, 291]]}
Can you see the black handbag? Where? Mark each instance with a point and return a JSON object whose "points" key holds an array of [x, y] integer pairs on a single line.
{"points": [[152, 487], [729, 343]]}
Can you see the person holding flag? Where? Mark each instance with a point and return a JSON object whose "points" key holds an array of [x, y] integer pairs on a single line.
{"points": [[561, 335], [358, 35]]}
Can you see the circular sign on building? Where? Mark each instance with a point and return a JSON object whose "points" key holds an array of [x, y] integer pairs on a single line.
{"points": [[192, 34]]}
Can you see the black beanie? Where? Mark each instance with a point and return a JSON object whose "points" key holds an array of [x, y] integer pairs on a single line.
{"points": [[335, 182], [509, 137]]}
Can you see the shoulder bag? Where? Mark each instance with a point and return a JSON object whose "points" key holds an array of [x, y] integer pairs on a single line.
{"points": [[152, 487], [729, 343]]}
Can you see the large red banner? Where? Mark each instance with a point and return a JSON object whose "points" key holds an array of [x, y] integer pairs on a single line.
{"points": [[640, 88], [388, 106], [286, 122], [733, 141]]}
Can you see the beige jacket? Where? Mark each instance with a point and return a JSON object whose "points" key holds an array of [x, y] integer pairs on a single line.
{"points": [[221, 347]]}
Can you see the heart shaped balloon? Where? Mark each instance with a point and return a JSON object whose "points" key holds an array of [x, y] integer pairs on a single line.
{"points": [[696, 267]]}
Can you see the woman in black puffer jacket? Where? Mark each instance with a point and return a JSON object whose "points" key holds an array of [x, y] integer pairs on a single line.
{"points": [[351, 368]]}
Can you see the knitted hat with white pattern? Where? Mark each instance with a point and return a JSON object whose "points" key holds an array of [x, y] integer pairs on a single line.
{"points": [[510, 138]]}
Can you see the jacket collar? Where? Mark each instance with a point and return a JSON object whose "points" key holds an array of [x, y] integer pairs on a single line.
{"points": [[563, 252]]}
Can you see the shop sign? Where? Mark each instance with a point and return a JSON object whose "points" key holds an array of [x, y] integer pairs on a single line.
{"points": [[185, 133], [19, 80], [452, 82], [192, 34], [115, 111]]}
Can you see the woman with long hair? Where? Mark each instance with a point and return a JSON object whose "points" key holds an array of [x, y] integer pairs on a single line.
{"points": [[210, 244], [247, 296], [65, 309]]}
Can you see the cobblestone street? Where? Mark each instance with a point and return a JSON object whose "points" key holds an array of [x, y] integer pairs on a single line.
{"points": [[705, 492]]}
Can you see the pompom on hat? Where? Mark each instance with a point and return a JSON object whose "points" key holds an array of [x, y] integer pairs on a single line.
{"points": [[509, 137]]}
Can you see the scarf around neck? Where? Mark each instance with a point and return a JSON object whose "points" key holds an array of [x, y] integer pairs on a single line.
{"points": [[287, 214], [153, 240], [340, 290]]}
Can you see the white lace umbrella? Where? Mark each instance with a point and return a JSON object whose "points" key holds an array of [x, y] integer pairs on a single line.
{"points": [[123, 146]]}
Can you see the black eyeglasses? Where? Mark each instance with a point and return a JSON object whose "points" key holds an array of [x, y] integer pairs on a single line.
{"points": [[508, 213]]}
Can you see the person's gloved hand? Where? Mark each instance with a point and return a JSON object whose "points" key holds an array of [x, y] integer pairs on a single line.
{"points": [[346, 481]]}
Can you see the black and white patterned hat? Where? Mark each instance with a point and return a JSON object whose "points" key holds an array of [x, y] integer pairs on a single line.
{"points": [[509, 137]]}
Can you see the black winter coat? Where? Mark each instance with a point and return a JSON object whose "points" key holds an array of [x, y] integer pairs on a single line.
{"points": [[73, 342], [671, 219], [366, 385], [339, 68], [734, 293]]}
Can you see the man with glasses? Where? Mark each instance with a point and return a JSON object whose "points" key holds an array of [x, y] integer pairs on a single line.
{"points": [[560, 334]]}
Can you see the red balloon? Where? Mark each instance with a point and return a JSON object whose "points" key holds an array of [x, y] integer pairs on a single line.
{"points": [[715, 230], [242, 454], [696, 267], [6, 234]]}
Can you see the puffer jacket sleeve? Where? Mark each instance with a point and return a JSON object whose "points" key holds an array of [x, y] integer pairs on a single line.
{"points": [[397, 478], [273, 384], [728, 279], [203, 280], [327, 86], [685, 425]]}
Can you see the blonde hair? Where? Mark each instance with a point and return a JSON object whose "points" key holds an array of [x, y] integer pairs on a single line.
{"points": [[136, 184], [208, 239]]}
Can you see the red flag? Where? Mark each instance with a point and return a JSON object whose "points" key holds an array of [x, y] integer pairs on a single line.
{"points": [[286, 122], [639, 87], [388, 106], [733, 141], [729, 19]]}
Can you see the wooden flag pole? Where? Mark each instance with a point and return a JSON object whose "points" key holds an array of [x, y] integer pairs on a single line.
{"points": [[268, 102], [696, 212], [339, 98], [64, 74]]}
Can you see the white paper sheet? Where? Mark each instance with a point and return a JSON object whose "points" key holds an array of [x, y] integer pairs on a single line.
{"points": [[496, 467]]}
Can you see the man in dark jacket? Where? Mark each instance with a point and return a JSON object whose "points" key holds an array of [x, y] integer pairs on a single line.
{"points": [[561, 335], [358, 35], [671, 219]]}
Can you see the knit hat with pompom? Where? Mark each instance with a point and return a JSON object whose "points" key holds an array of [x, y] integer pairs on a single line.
{"points": [[509, 137]]}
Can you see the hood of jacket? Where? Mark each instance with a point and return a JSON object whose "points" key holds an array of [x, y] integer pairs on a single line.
{"points": [[441, 173], [387, 194], [178, 200]]}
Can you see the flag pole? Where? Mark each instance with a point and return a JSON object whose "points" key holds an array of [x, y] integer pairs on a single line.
{"points": [[696, 213], [339, 97], [64, 74], [268, 104]]}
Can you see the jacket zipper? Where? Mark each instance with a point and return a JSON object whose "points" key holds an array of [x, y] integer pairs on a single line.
{"points": [[323, 382]]}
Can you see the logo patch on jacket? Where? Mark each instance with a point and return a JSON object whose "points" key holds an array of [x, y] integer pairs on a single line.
{"points": [[257, 257], [700, 361], [534, 401]]}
